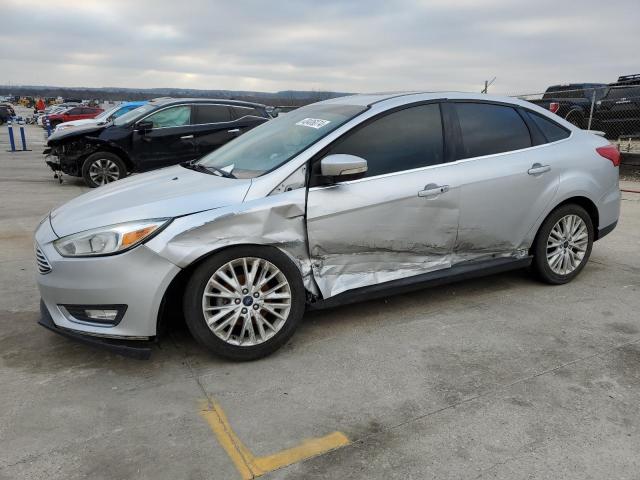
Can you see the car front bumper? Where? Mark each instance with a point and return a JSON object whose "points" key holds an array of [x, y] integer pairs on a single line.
{"points": [[137, 278]]}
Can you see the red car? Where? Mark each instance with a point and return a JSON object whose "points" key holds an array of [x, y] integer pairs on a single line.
{"points": [[74, 113]]}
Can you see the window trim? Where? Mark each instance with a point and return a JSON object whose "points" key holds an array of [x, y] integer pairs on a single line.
{"points": [[460, 140], [313, 178], [194, 105], [313, 186]]}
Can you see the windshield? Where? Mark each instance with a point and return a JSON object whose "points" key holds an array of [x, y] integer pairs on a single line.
{"points": [[133, 114], [106, 113], [277, 141]]}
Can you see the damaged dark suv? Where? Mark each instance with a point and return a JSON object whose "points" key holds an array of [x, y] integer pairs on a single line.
{"points": [[163, 132]]}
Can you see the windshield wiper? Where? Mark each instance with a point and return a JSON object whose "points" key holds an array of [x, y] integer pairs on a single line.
{"points": [[192, 165]]}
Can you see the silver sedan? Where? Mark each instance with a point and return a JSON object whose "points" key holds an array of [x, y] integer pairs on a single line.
{"points": [[332, 203]]}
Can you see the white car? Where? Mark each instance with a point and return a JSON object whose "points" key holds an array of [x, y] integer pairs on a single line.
{"points": [[104, 117]]}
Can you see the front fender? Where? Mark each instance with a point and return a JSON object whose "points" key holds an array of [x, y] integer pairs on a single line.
{"points": [[277, 220]]}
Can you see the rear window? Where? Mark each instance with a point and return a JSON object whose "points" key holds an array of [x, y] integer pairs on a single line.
{"points": [[488, 129], [551, 130]]}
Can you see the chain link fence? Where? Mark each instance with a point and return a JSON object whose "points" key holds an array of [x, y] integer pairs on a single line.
{"points": [[611, 109]]}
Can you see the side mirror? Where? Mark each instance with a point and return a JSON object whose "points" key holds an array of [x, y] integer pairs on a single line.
{"points": [[144, 126], [341, 167]]}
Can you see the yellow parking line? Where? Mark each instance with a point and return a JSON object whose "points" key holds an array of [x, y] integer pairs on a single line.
{"points": [[248, 465]]}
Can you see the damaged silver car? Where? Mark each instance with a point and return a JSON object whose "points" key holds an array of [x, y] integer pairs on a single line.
{"points": [[332, 203]]}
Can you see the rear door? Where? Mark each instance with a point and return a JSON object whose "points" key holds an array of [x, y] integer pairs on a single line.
{"points": [[505, 185], [170, 141], [400, 220], [213, 126]]}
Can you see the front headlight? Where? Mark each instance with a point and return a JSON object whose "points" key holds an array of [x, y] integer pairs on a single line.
{"points": [[110, 239]]}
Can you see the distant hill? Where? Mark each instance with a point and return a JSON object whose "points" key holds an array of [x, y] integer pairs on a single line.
{"points": [[287, 97]]}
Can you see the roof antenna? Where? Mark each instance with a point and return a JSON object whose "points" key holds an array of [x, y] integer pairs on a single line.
{"points": [[487, 84]]}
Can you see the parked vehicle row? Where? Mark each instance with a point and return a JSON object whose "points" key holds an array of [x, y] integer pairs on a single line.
{"points": [[616, 106], [331, 203], [6, 112], [163, 132], [102, 118]]}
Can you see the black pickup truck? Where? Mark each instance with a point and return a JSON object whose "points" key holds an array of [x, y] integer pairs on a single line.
{"points": [[618, 112], [572, 101]]}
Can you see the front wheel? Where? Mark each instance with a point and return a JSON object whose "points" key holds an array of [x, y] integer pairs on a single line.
{"points": [[245, 302], [563, 244], [101, 168]]}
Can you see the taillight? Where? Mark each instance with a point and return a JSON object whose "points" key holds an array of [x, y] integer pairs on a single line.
{"points": [[554, 107], [610, 152]]}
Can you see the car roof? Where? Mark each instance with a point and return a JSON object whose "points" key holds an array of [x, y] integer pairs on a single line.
{"points": [[400, 98], [169, 101]]}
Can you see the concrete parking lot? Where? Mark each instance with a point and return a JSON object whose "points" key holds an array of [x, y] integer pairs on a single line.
{"points": [[500, 377]]}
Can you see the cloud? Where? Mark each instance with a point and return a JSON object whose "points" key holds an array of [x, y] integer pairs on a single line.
{"points": [[332, 45]]}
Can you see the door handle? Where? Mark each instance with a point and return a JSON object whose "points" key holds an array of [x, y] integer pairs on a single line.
{"points": [[234, 130], [537, 169], [432, 190], [186, 137]]}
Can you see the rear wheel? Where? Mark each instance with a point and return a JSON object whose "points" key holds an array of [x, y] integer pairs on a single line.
{"points": [[245, 302], [563, 244], [101, 168]]}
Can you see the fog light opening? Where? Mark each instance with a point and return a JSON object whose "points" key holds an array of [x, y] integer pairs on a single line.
{"points": [[100, 315]]}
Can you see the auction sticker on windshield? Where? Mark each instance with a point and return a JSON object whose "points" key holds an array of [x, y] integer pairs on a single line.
{"points": [[313, 122]]}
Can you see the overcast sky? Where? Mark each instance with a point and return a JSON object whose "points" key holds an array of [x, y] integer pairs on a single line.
{"points": [[363, 46]]}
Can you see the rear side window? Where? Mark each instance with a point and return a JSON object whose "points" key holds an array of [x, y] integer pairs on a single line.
{"points": [[171, 117], [74, 111], [211, 114], [240, 112], [406, 139], [488, 129], [630, 93], [551, 130]]}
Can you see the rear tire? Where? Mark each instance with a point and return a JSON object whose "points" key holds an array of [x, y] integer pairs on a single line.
{"points": [[101, 168], [244, 303], [563, 244]]}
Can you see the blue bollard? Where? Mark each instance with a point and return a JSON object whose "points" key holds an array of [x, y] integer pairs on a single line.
{"points": [[22, 137], [11, 141]]}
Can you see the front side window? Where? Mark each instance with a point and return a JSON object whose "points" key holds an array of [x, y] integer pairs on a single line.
{"points": [[402, 140], [171, 117], [488, 129], [277, 141], [73, 111]]}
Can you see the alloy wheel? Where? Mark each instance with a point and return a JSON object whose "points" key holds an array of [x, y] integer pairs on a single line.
{"points": [[246, 301], [567, 244], [104, 171]]}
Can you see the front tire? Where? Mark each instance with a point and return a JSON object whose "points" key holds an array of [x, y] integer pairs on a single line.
{"points": [[563, 244], [101, 168], [245, 302]]}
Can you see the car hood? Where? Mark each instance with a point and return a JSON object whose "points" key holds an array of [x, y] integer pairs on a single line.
{"points": [[78, 131], [169, 192], [77, 123]]}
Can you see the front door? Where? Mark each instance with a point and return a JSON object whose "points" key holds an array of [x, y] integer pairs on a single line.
{"points": [[169, 142], [400, 220]]}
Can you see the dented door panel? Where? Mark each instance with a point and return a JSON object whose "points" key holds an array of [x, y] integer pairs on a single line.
{"points": [[379, 229], [500, 202]]}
